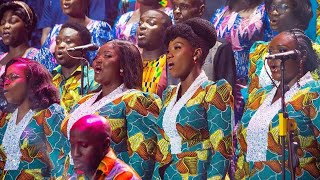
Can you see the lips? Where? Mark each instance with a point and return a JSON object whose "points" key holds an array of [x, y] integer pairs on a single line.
{"points": [[5, 34], [170, 65], [141, 35], [97, 69], [66, 5], [59, 55]]}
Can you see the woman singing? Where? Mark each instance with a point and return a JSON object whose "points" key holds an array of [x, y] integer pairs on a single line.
{"points": [[259, 150]]}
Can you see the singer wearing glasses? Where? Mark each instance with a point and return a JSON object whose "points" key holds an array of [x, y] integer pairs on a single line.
{"points": [[31, 143], [67, 76], [131, 112], [259, 150], [284, 15]]}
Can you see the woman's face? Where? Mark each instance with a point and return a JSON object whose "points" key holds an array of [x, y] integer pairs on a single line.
{"points": [[74, 8], [16, 83], [180, 58], [282, 43], [281, 15], [13, 29], [106, 65]]}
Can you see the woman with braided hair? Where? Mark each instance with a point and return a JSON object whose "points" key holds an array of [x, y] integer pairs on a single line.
{"points": [[259, 151]]}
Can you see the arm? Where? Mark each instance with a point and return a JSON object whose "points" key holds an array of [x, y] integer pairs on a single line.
{"points": [[57, 143], [142, 110], [219, 107]]}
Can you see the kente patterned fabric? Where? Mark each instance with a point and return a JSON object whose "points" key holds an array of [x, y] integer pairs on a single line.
{"points": [[111, 168], [302, 109], [70, 88], [131, 118], [42, 146], [204, 126], [154, 77]]}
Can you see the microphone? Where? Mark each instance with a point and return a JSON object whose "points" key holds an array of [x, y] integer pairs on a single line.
{"points": [[87, 47], [285, 55]]}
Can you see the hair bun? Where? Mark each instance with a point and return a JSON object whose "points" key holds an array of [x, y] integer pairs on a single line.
{"points": [[203, 29]]}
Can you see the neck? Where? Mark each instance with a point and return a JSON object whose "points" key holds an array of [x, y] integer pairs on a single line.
{"points": [[23, 110], [153, 54], [108, 88], [144, 8], [186, 82], [84, 20], [66, 72], [19, 50]]}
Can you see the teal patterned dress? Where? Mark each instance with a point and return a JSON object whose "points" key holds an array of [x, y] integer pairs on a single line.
{"points": [[42, 146], [130, 117], [303, 105], [203, 127]]}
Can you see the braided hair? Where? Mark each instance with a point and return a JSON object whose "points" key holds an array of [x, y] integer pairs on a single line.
{"points": [[304, 44]]}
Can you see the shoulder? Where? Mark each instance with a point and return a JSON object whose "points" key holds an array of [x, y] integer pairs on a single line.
{"points": [[257, 96], [96, 24], [145, 98], [216, 91]]}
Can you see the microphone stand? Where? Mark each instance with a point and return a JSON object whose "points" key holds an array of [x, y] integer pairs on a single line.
{"points": [[283, 131]]}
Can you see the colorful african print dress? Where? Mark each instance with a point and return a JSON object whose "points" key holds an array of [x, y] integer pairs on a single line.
{"points": [[154, 77], [259, 69], [259, 151], [70, 88], [35, 148], [131, 114], [128, 32], [111, 168], [194, 132], [100, 34]]}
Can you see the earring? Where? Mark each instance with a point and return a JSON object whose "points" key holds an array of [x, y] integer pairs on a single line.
{"points": [[195, 59], [121, 70]]}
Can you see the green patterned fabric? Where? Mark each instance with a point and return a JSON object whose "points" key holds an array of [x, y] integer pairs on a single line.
{"points": [[204, 124]]}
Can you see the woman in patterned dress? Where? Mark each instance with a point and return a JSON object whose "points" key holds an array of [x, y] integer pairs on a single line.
{"points": [[118, 68], [194, 125], [284, 15], [18, 21], [242, 23], [259, 150], [32, 145]]}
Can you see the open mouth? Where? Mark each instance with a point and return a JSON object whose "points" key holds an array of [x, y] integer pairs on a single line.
{"points": [[97, 69], [170, 65], [66, 5], [59, 55], [5, 34], [141, 35]]}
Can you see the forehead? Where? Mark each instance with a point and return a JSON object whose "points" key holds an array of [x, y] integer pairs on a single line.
{"points": [[179, 40], [18, 68], [282, 2], [284, 39], [109, 46], [191, 2], [68, 32], [152, 14]]}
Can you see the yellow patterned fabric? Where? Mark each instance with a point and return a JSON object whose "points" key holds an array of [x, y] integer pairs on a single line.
{"points": [[154, 75], [70, 88], [303, 110], [204, 125]]}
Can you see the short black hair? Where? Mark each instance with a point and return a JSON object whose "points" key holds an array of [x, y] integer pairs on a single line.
{"points": [[82, 30], [20, 9], [199, 32], [302, 11]]}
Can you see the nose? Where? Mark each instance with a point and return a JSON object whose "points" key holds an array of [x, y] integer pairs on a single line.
{"points": [[142, 26], [176, 10], [6, 25], [169, 55], [76, 151]]}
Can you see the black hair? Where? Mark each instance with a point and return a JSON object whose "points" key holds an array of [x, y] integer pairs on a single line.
{"points": [[302, 11], [304, 44], [199, 32], [42, 93], [84, 33], [30, 20]]}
